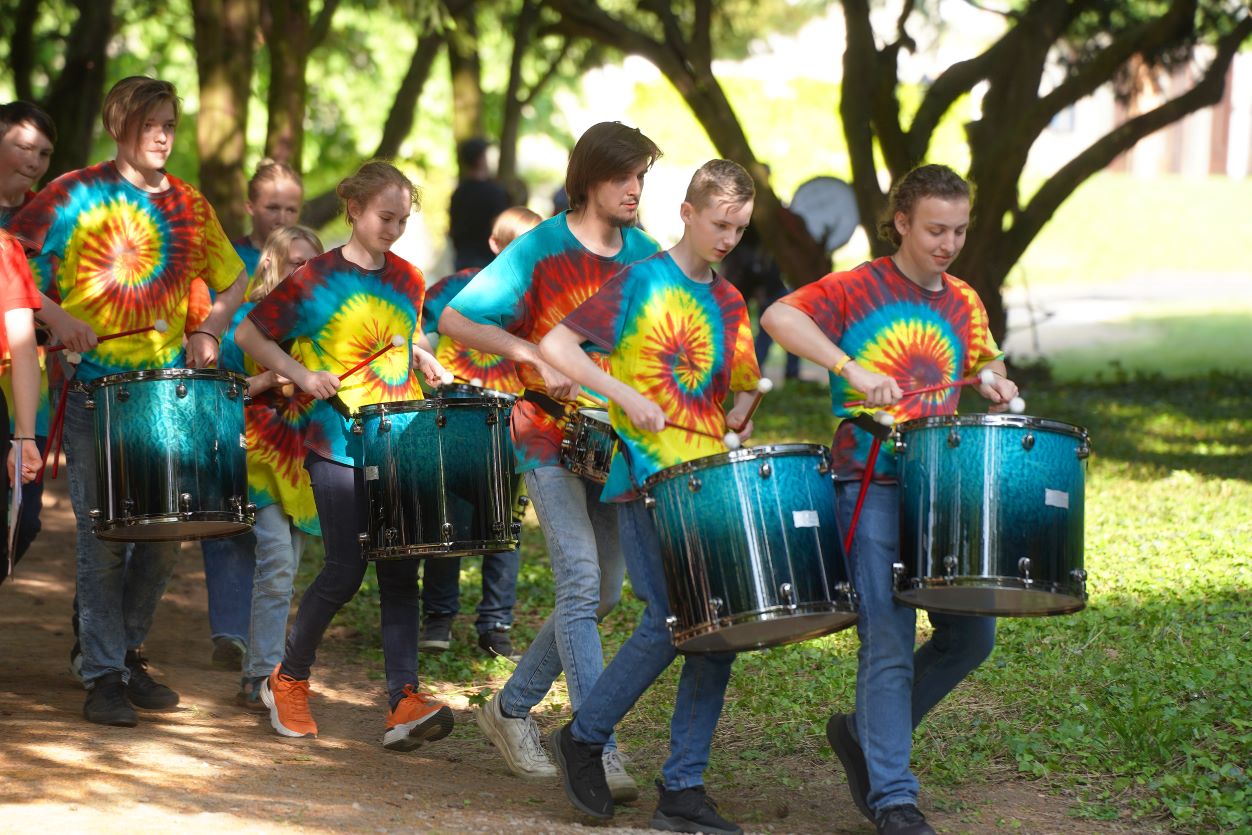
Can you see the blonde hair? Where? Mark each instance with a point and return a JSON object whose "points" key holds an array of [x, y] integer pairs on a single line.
{"points": [[371, 180], [274, 254], [720, 178], [130, 101], [271, 171], [513, 222]]}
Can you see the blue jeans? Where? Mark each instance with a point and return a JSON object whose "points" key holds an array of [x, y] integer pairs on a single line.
{"points": [[279, 545], [582, 539], [441, 588], [339, 493], [895, 685], [117, 597], [645, 655], [229, 564]]}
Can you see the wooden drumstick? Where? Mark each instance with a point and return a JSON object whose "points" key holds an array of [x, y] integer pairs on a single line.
{"points": [[985, 378], [763, 387], [160, 326], [396, 341]]}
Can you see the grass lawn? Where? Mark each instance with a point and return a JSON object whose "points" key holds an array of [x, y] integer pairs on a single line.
{"points": [[1138, 708]]}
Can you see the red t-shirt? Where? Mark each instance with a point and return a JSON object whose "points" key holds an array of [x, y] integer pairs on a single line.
{"points": [[17, 288]]}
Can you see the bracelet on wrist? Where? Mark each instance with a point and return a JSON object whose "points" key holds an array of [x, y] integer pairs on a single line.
{"points": [[837, 368], [22, 438], [210, 335]]}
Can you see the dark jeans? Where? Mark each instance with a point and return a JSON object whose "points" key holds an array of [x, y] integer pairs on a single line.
{"points": [[441, 588], [339, 492], [28, 525]]}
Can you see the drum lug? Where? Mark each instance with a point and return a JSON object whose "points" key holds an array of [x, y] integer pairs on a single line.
{"points": [[765, 469], [181, 390], [523, 501], [95, 514], [694, 484], [954, 438], [89, 404], [364, 539], [671, 623], [236, 503], [897, 440], [1028, 441], [184, 502], [250, 509], [384, 425], [492, 417], [649, 502], [447, 531], [357, 428], [129, 506], [1083, 450], [716, 604], [1079, 576], [788, 594], [497, 528], [897, 576], [441, 420], [949, 567], [1023, 568], [517, 529], [390, 535], [823, 466], [232, 391], [123, 394]]}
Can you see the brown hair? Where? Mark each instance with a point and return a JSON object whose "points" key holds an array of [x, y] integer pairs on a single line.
{"points": [[371, 180], [20, 112], [274, 254], [512, 223], [130, 101], [605, 151], [270, 171], [924, 181], [723, 179]]}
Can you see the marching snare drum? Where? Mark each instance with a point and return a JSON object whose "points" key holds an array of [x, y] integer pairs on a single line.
{"points": [[751, 548], [170, 455], [438, 475], [991, 515], [588, 444]]}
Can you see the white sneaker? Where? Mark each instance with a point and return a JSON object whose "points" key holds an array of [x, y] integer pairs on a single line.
{"points": [[621, 784], [517, 740]]}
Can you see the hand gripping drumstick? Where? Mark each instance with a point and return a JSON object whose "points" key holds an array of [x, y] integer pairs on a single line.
{"points": [[289, 389], [160, 326], [763, 387], [985, 378]]}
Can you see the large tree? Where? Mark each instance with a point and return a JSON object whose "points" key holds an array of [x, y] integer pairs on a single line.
{"points": [[1050, 55]]}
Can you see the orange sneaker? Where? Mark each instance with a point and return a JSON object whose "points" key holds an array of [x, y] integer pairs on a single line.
{"points": [[288, 701], [417, 719]]}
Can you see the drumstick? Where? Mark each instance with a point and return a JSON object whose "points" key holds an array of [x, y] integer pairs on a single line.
{"points": [[886, 419], [763, 387], [985, 378], [160, 326], [289, 389]]}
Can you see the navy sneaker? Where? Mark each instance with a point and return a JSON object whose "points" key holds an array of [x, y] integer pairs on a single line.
{"points": [[839, 734], [905, 819], [582, 773], [143, 691], [689, 810], [107, 703]]}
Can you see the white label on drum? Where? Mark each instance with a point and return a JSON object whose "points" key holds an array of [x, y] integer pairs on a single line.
{"points": [[1056, 498], [243, 441], [806, 519], [371, 474]]}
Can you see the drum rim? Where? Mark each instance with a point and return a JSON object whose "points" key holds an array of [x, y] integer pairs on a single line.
{"points": [[487, 392], [219, 374], [587, 412], [987, 419], [734, 456], [427, 404]]}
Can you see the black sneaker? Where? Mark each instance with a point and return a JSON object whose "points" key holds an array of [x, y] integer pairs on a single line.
{"points": [[840, 737], [689, 810], [902, 820], [582, 773], [76, 661], [436, 634], [496, 642], [143, 691], [107, 703]]}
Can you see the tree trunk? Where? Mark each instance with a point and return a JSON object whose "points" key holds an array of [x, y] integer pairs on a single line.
{"points": [[511, 118], [287, 26], [225, 35], [75, 97], [467, 85]]}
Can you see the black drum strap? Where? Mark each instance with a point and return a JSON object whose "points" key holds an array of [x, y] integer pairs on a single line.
{"points": [[554, 409], [867, 423]]}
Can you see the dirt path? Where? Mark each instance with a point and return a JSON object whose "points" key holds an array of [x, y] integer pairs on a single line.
{"points": [[210, 767]]}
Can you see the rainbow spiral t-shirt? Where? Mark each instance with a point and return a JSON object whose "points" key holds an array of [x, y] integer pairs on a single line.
{"points": [[683, 344], [466, 364], [892, 326], [124, 258], [341, 314], [527, 290]]}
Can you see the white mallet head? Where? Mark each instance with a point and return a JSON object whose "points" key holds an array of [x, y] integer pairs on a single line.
{"points": [[397, 341], [446, 378], [986, 376], [732, 441], [73, 358], [884, 418], [160, 326], [1017, 405], [477, 382], [765, 385]]}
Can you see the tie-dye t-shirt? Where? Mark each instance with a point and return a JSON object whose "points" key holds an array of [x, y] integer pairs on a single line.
{"points": [[20, 291], [891, 326], [275, 425], [200, 297], [7, 213], [341, 314], [466, 364], [249, 254], [125, 258], [527, 290], [683, 344]]}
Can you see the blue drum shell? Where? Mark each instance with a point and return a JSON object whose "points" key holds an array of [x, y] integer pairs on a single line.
{"points": [[439, 477], [751, 548], [171, 455], [991, 515]]}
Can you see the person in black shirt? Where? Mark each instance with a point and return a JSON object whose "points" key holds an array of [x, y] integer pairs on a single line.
{"points": [[475, 203]]}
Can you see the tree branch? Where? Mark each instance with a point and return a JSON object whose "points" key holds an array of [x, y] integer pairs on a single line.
{"points": [[22, 48], [321, 23], [548, 74]]}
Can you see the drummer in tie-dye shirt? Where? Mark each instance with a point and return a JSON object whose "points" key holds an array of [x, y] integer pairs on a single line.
{"points": [[506, 309], [891, 325], [125, 238], [343, 308], [679, 343]]}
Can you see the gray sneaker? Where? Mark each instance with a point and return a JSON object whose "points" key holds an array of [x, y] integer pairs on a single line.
{"points": [[621, 784], [517, 740]]}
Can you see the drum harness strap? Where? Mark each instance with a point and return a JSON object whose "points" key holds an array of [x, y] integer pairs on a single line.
{"points": [[554, 408]]}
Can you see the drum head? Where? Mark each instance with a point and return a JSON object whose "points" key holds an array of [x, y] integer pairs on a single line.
{"points": [[768, 629]]}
